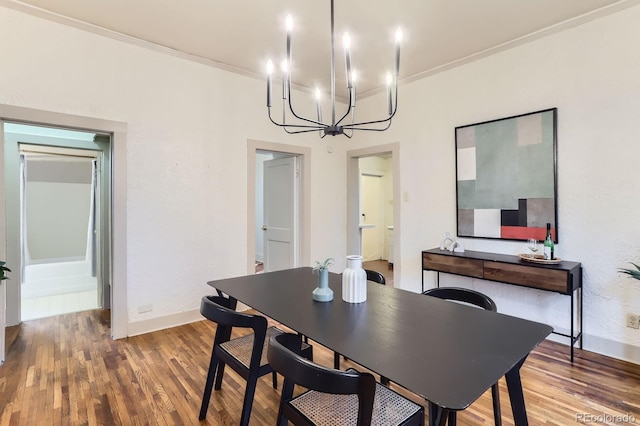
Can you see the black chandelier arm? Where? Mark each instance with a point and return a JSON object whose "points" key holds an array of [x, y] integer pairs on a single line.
{"points": [[384, 120], [311, 128], [348, 110], [353, 127], [300, 117]]}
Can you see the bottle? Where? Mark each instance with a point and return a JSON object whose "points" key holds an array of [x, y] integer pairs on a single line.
{"points": [[548, 244]]}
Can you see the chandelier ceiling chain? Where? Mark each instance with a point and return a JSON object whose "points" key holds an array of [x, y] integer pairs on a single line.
{"points": [[334, 127]]}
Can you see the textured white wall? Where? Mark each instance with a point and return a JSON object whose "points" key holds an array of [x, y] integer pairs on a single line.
{"points": [[188, 126], [590, 73]]}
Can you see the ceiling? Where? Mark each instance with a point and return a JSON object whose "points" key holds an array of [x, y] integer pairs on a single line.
{"points": [[240, 35]]}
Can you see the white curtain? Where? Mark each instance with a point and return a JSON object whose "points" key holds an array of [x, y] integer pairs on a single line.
{"points": [[24, 248], [91, 234]]}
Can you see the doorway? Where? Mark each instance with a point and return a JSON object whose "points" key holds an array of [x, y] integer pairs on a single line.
{"points": [[59, 219], [288, 245], [373, 210], [51, 174], [112, 136]]}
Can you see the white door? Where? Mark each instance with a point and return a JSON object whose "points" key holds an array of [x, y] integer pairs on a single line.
{"points": [[280, 224], [372, 213]]}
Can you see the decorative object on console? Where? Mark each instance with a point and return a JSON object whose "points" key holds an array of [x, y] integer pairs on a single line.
{"points": [[447, 241], [634, 273], [323, 293], [354, 281], [506, 177], [457, 247], [334, 126]]}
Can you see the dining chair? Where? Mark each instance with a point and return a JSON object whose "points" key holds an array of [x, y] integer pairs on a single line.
{"points": [[333, 396], [376, 277], [482, 301], [246, 355]]}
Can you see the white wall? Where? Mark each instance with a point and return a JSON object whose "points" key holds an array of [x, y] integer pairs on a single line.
{"points": [[591, 74], [188, 126]]}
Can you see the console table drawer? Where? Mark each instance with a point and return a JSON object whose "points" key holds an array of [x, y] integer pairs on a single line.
{"points": [[453, 265], [540, 278]]}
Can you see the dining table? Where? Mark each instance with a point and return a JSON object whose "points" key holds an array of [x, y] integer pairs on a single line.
{"points": [[445, 352]]}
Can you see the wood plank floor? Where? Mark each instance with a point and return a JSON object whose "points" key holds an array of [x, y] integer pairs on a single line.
{"points": [[66, 370]]}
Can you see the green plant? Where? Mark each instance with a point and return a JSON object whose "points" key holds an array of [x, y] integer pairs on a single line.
{"points": [[3, 269], [635, 273], [323, 266]]}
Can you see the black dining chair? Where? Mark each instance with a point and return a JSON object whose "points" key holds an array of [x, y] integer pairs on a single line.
{"points": [[482, 301], [376, 277], [333, 396], [246, 355]]}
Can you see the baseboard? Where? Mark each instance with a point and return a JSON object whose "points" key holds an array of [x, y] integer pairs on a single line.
{"points": [[160, 323], [612, 348], [602, 346]]}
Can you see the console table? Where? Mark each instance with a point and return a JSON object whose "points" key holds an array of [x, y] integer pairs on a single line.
{"points": [[564, 277]]}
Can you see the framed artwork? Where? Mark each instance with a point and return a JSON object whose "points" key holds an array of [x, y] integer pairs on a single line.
{"points": [[506, 177]]}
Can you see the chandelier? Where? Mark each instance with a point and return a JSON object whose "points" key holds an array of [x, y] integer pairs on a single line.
{"points": [[300, 124]]}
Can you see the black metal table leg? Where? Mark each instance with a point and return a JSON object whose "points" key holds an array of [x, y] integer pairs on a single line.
{"points": [[514, 385]]}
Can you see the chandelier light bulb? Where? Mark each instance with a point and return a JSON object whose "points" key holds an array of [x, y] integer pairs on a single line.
{"points": [[346, 41], [284, 66], [289, 23], [318, 94], [354, 76], [399, 36], [389, 79], [269, 67]]}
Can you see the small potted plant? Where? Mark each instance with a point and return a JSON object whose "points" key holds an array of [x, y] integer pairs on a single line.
{"points": [[3, 269], [323, 293], [634, 273]]}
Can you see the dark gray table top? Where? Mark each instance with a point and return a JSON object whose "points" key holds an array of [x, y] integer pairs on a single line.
{"points": [[448, 353]]}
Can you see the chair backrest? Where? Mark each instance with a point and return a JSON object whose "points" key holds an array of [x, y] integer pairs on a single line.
{"points": [[463, 295], [221, 310], [375, 276], [284, 357]]}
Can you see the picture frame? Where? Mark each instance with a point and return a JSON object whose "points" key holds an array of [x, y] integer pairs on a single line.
{"points": [[506, 177]]}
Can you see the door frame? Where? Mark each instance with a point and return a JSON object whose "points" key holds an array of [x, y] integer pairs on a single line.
{"points": [[304, 207], [353, 199], [118, 132]]}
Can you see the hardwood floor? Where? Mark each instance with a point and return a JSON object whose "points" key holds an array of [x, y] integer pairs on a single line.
{"points": [[66, 370]]}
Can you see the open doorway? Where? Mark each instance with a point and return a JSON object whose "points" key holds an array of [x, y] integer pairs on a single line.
{"points": [[373, 214], [58, 212], [278, 208], [277, 211], [376, 213], [59, 219]]}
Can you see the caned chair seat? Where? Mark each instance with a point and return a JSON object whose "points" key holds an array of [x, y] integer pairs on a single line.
{"points": [[241, 348], [334, 397], [322, 409]]}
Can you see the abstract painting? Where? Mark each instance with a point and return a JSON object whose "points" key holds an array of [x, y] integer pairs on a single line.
{"points": [[506, 183]]}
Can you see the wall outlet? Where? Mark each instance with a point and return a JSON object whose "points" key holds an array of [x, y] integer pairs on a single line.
{"points": [[633, 321], [148, 308]]}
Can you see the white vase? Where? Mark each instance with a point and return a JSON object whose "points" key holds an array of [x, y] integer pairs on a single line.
{"points": [[354, 281]]}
